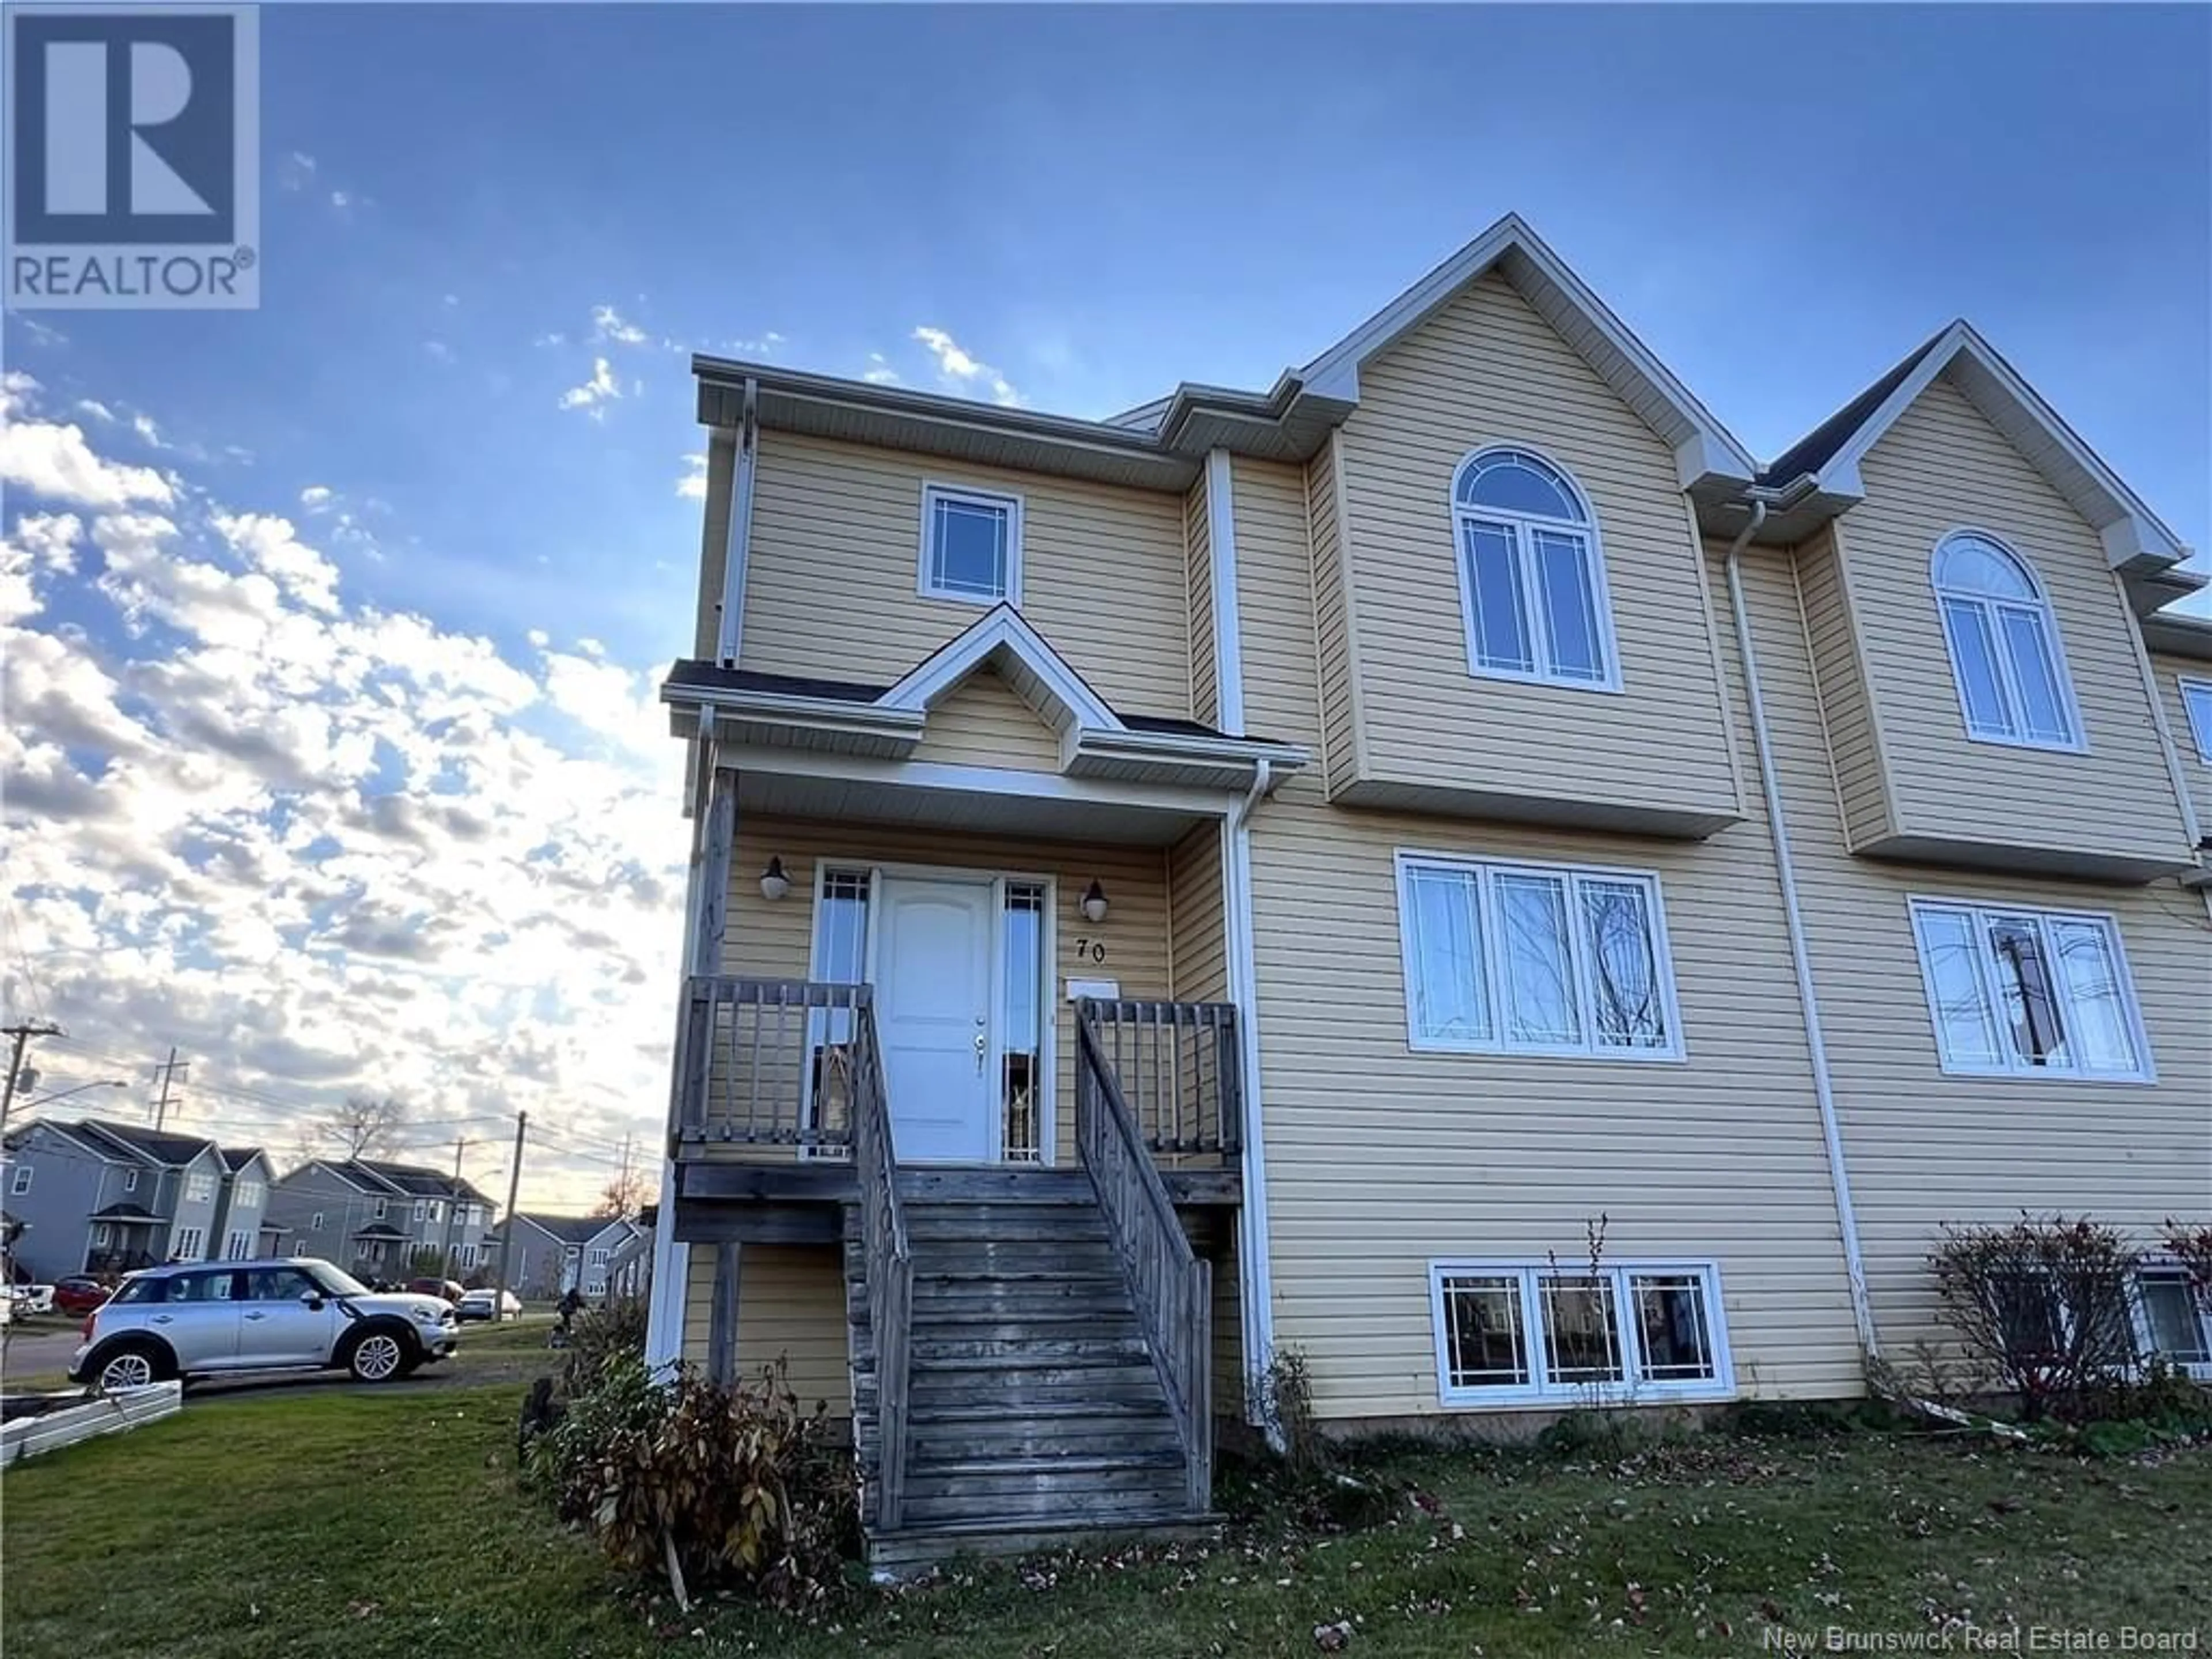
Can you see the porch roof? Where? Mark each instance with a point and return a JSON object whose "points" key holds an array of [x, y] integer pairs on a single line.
{"points": [[125, 1213]]}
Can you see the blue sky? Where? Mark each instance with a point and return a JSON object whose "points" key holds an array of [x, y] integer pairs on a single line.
{"points": [[467, 211]]}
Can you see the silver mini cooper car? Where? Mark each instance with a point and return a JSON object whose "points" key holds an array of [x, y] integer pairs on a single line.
{"points": [[207, 1318]]}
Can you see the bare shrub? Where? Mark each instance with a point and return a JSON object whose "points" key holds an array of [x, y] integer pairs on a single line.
{"points": [[2042, 1308]]}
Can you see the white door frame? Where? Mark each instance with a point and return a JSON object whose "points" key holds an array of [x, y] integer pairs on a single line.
{"points": [[1048, 955]]}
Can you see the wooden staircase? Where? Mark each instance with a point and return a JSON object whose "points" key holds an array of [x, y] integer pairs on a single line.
{"points": [[1037, 1415]]}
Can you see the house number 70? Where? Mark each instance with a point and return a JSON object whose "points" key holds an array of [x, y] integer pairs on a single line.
{"points": [[1090, 950]]}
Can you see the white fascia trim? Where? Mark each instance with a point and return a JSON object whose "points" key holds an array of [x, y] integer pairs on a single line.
{"points": [[1175, 746], [2130, 530], [1228, 636], [1708, 449], [973, 780], [1003, 630], [738, 545], [815, 713]]}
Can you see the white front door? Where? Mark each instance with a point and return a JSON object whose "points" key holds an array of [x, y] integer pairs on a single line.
{"points": [[933, 980]]}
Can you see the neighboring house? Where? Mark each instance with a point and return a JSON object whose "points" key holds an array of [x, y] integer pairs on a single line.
{"points": [[1349, 819], [102, 1197], [243, 1202], [547, 1253], [607, 1251], [375, 1218], [629, 1268]]}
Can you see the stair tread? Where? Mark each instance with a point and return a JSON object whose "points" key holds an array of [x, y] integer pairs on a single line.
{"points": [[921, 1467], [998, 1411]]}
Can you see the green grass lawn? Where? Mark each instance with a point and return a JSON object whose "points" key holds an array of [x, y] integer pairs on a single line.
{"points": [[363, 1524]]}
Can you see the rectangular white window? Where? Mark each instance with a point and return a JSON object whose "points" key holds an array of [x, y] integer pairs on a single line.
{"points": [[187, 1246], [2028, 991], [130, 1180], [2196, 699], [315, 1224], [971, 546], [22, 1183], [418, 1209], [599, 1258], [239, 1246], [250, 1193], [199, 1187], [2172, 1322], [1523, 1332], [1535, 959], [468, 1255]]}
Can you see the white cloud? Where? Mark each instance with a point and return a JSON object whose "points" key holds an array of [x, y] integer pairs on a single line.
{"points": [[879, 372], [341, 199], [608, 324], [325, 847], [52, 460], [692, 486], [601, 388], [964, 372], [97, 409], [315, 497]]}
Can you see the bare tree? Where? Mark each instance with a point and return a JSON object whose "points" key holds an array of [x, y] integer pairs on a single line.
{"points": [[364, 1126], [623, 1197]]}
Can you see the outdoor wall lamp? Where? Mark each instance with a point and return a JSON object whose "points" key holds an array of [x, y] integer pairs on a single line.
{"points": [[1094, 903], [774, 883]]}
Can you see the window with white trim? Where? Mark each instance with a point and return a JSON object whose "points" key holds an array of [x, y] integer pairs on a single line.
{"points": [[22, 1183], [130, 1180], [238, 1246], [971, 546], [188, 1242], [199, 1187], [2196, 703], [599, 1257], [2005, 655], [2018, 991], [1532, 577], [1548, 959], [315, 1222], [2173, 1319], [1517, 1333], [251, 1194]]}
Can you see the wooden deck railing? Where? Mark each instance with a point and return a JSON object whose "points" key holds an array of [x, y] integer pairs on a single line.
{"points": [[767, 1062], [1172, 1288], [890, 1263], [1179, 1069]]}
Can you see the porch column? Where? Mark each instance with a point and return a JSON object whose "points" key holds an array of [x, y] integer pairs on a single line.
{"points": [[722, 1328]]}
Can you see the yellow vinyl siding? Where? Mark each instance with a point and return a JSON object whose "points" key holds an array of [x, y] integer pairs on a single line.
{"points": [[791, 1306], [1199, 952], [1205, 669], [1861, 780], [1487, 369], [774, 940], [836, 554], [1331, 619], [1923, 1147], [721, 464], [1381, 1159], [1228, 1368], [982, 721], [1943, 465], [2196, 770]]}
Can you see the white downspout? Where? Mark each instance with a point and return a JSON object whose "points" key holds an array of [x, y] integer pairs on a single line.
{"points": [[1256, 1277], [737, 543], [1786, 875]]}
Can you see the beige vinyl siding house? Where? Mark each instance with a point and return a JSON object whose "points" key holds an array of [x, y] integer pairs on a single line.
{"points": [[2191, 732], [1486, 370], [2106, 807], [1460, 960], [835, 563], [1925, 1147], [1430, 1156]]}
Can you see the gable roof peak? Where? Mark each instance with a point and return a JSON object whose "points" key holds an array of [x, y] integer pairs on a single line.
{"points": [[1003, 639]]}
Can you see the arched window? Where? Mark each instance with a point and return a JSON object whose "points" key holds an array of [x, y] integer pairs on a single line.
{"points": [[2004, 646], [1532, 578]]}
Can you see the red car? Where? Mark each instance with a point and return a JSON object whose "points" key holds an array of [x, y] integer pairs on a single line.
{"points": [[78, 1294]]}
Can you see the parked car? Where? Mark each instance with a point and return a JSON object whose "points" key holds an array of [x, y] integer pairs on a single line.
{"points": [[444, 1289], [33, 1298], [203, 1319], [79, 1293], [489, 1304]]}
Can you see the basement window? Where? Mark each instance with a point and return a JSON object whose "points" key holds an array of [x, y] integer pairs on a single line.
{"points": [[971, 546], [1515, 1333]]}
